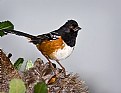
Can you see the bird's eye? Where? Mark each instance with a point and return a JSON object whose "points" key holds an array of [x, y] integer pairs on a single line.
{"points": [[71, 27]]}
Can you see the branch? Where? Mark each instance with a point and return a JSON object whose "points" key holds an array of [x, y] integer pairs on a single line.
{"points": [[39, 77]]}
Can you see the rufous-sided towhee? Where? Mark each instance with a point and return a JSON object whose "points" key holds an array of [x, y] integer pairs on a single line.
{"points": [[55, 45]]}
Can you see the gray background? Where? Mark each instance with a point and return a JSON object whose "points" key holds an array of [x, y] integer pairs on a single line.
{"points": [[97, 55]]}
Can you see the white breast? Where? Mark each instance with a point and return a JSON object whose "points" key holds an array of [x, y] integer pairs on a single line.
{"points": [[63, 53]]}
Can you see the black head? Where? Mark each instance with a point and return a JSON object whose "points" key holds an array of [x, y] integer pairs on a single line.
{"points": [[72, 25], [68, 32]]}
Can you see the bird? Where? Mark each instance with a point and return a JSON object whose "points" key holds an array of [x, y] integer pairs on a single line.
{"points": [[55, 45]]}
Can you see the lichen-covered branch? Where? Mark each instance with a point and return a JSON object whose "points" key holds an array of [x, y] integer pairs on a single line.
{"points": [[51, 80]]}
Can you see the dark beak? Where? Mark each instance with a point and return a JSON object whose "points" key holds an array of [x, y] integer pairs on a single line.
{"points": [[77, 28]]}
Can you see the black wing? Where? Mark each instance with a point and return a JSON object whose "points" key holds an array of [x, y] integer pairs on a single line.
{"points": [[49, 36]]}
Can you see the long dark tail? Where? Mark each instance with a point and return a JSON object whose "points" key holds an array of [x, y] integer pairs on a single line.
{"points": [[33, 39], [19, 33]]}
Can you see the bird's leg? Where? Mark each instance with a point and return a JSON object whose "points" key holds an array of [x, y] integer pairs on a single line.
{"points": [[61, 67], [50, 63]]}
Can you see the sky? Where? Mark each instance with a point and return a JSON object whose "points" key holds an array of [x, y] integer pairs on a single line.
{"points": [[97, 54]]}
